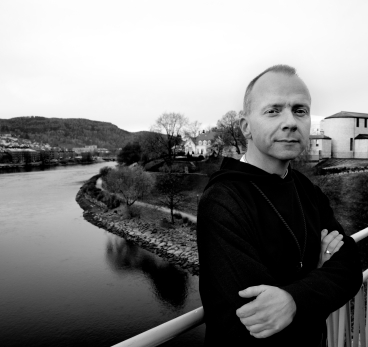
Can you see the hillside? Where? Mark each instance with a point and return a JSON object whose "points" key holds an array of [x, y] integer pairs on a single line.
{"points": [[73, 132]]}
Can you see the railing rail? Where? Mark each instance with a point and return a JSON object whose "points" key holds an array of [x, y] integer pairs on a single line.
{"points": [[338, 323]]}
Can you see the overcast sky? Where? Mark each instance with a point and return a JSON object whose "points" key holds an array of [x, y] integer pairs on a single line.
{"points": [[126, 62]]}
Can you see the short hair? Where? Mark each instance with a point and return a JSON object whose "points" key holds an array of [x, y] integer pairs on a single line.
{"points": [[284, 69]]}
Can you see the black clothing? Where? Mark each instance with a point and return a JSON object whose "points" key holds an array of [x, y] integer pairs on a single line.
{"points": [[242, 242]]}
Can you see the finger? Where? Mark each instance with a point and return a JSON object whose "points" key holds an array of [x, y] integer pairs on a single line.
{"points": [[251, 320], [263, 334], [323, 233], [338, 246], [329, 237], [256, 329], [246, 310], [331, 246], [251, 291]]}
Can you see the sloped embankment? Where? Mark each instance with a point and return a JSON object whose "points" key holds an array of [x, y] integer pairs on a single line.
{"points": [[177, 246]]}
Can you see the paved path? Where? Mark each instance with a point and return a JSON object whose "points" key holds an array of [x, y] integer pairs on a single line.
{"points": [[164, 209]]}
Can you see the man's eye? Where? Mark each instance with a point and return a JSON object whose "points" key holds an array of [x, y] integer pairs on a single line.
{"points": [[272, 111], [301, 112]]}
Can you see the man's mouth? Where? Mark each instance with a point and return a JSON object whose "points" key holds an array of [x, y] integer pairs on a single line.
{"points": [[288, 140]]}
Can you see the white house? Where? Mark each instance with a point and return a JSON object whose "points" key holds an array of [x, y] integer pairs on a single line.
{"points": [[201, 144], [319, 147], [347, 131]]}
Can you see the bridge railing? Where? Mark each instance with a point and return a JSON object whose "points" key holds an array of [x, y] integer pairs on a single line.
{"points": [[340, 329]]}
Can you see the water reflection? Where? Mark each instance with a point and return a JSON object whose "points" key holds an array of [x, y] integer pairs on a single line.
{"points": [[169, 283]]}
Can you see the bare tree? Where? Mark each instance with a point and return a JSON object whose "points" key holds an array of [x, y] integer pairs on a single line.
{"points": [[218, 144], [170, 185], [193, 129], [231, 135], [131, 183], [168, 130]]}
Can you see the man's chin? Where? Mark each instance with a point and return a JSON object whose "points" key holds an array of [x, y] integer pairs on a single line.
{"points": [[288, 155]]}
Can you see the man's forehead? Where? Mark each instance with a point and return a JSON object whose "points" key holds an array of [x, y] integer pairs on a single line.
{"points": [[277, 85]]}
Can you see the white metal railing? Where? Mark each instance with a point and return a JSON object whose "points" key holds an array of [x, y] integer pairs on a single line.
{"points": [[339, 332], [338, 323]]}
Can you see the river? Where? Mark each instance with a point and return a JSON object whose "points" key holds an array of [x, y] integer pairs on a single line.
{"points": [[65, 282]]}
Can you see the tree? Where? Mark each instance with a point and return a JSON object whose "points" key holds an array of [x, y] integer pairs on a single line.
{"points": [[171, 186], [131, 183], [217, 145], [193, 129], [231, 133], [130, 153], [167, 130]]}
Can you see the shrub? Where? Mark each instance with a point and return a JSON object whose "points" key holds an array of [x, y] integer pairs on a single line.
{"points": [[133, 211], [111, 201], [164, 223], [105, 170], [185, 220], [100, 196], [178, 215]]}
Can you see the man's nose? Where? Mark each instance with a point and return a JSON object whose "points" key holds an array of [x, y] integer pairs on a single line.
{"points": [[289, 122]]}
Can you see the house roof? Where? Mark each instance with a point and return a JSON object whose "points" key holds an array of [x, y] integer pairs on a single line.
{"points": [[319, 137], [362, 137], [207, 136], [346, 114]]}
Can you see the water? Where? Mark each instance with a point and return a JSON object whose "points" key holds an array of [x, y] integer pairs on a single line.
{"points": [[65, 282]]}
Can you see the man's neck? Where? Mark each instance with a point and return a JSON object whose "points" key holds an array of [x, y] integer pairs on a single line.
{"points": [[268, 164]]}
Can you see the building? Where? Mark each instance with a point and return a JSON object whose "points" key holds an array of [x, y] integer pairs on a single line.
{"points": [[23, 155], [200, 145], [361, 146], [319, 147], [348, 131]]}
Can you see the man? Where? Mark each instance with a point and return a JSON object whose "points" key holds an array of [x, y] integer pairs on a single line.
{"points": [[274, 262]]}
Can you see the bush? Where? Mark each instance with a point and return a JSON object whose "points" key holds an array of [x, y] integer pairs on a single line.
{"points": [[164, 223], [178, 215], [111, 201], [100, 196], [133, 211], [185, 220], [105, 170]]}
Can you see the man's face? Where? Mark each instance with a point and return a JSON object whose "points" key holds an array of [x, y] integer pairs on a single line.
{"points": [[279, 121]]}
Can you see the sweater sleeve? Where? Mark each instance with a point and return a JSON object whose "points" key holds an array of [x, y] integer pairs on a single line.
{"points": [[229, 262], [328, 288], [226, 247]]}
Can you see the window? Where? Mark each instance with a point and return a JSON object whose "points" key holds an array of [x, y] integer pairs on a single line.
{"points": [[209, 141], [357, 122], [365, 122], [204, 143], [351, 143], [199, 143]]}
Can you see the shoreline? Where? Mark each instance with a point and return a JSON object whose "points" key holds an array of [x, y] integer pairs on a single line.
{"points": [[39, 165], [177, 247]]}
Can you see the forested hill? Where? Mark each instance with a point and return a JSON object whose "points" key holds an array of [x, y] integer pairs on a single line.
{"points": [[73, 132]]}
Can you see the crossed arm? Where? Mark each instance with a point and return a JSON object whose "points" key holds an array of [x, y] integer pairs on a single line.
{"points": [[273, 308], [230, 280]]}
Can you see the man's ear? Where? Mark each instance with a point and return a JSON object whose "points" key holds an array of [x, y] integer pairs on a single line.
{"points": [[245, 128]]}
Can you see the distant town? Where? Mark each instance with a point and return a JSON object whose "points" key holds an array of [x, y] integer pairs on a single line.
{"points": [[16, 151]]}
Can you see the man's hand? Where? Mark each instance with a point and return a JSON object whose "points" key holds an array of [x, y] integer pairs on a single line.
{"points": [[272, 310], [330, 243]]}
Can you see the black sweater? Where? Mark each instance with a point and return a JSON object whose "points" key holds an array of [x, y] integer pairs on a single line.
{"points": [[242, 242]]}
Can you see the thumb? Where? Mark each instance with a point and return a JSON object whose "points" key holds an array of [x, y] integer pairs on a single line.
{"points": [[252, 291]]}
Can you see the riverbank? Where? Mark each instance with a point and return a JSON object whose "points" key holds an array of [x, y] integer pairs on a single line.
{"points": [[176, 244], [40, 164]]}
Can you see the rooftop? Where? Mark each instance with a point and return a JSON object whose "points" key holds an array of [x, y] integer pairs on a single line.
{"points": [[362, 137], [346, 114], [207, 136]]}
